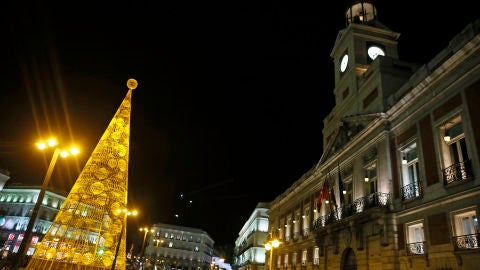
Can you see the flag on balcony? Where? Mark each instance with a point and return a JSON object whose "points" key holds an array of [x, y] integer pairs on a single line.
{"points": [[323, 195], [340, 185], [333, 200]]}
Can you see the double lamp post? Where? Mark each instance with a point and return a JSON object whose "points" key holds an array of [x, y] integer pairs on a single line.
{"points": [[51, 143], [269, 246]]}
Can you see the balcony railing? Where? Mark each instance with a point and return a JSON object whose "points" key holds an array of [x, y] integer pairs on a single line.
{"points": [[417, 248], [458, 172], [411, 191], [466, 242], [374, 200]]}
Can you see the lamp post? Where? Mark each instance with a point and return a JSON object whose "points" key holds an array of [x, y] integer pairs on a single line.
{"points": [[126, 213], [274, 243], [22, 251], [157, 241], [146, 230]]}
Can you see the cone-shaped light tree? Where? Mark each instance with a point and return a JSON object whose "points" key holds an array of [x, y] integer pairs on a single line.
{"points": [[87, 231]]}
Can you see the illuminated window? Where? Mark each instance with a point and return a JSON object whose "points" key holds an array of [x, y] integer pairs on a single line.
{"points": [[466, 229], [304, 257], [410, 172], [305, 220], [415, 238], [316, 256], [454, 151]]}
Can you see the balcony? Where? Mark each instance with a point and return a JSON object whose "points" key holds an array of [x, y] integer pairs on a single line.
{"points": [[417, 248], [374, 200], [458, 172], [466, 242], [411, 191]]}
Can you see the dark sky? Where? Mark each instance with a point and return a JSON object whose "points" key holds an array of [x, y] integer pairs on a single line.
{"points": [[231, 98]]}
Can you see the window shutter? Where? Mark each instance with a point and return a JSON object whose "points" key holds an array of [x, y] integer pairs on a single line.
{"points": [[438, 229]]}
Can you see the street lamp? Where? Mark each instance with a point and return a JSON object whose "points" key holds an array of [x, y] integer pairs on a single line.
{"points": [[42, 145], [147, 230], [126, 213], [157, 241], [274, 243]]}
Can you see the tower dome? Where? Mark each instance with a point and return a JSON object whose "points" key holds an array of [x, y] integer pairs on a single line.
{"points": [[363, 12]]}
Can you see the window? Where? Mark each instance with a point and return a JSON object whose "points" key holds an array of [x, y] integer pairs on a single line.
{"points": [[304, 257], [454, 152], [279, 261], [316, 256], [287, 228], [280, 232], [305, 221], [410, 172], [348, 191], [285, 261], [294, 259], [170, 244], [415, 238], [371, 179], [466, 229], [296, 225]]}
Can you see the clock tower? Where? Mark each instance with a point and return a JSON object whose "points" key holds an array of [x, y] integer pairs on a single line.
{"points": [[367, 70]]}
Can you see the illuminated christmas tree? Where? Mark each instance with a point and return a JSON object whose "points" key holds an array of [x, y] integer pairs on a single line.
{"points": [[89, 230]]}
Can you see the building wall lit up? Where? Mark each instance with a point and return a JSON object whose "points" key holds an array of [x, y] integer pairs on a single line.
{"points": [[249, 246], [398, 183], [16, 203], [179, 247]]}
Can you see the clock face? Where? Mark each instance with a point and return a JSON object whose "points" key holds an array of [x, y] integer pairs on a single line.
{"points": [[344, 62], [374, 51]]}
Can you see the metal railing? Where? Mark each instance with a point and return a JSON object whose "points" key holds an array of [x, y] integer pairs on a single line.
{"points": [[466, 242], [411, 191], [374, 200], [457, 172], [417, 248]]}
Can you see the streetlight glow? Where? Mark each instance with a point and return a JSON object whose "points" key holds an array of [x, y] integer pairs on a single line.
{"points": [[25, 243], [52, 142], [272, 244], [146, 230], [124, 223]]}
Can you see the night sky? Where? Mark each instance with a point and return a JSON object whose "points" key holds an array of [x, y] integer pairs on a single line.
{"points": [[230, 103]]}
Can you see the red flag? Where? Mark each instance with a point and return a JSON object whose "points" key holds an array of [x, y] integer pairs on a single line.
{"points": [[323, 195]]}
